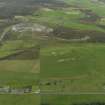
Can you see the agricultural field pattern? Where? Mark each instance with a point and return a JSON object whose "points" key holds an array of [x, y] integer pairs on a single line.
{"points": [[52, 52]]}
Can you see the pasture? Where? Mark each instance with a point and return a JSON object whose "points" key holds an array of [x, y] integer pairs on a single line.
{"points": [[73, 67], [73, 100], [68, 17], [19, 100]]}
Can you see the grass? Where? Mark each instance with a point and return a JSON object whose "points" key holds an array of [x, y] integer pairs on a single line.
{"points": [[19, 72], [19, 100], [76, 64], [19, 79], [73, 99], [74, 56], [11, 47], [19, 65], [71, 16], [95, 7], [57, 18]]}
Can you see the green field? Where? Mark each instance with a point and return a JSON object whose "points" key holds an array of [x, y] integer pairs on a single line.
{"points": [[19, 100], [54, 47], [80, 67], [69, 18], [94, 6], [73, 99]]}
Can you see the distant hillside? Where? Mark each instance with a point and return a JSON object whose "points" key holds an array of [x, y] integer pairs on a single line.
{"points": [[23, 7]]}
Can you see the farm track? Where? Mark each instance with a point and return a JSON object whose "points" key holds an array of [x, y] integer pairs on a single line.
{"points": [[4, 33], [18, 52], [58, 93]]}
